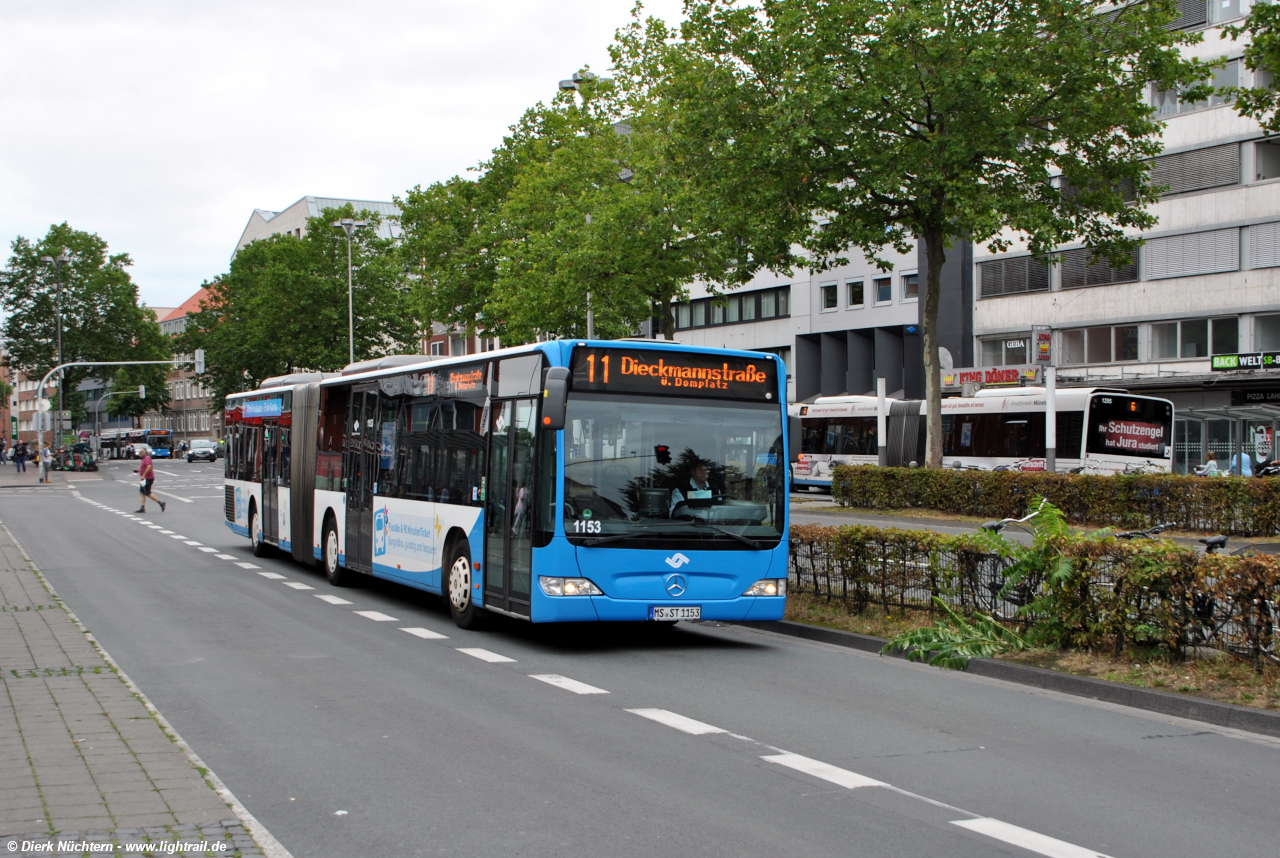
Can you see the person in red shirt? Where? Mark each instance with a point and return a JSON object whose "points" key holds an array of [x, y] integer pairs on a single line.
{"points": [[147, 474]]}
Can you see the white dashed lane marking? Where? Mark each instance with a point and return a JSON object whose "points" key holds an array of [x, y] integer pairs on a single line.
{"points": [[192, 542], [243, 565], [166, 532], [484, 655], [679, 722], [376, 616], [274, 576], [298, 585], [333, 600], [1029, 840], [225, 556], [823, 771], [425, 634], [566, 683], [207, 549]]}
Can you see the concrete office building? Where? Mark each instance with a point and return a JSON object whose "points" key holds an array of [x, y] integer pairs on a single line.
{"points": [[1206, 283]]}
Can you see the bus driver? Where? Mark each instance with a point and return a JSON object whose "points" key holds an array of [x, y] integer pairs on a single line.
{"points": [[699, 488]]}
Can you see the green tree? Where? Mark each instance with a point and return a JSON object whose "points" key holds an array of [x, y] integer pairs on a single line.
{"points": [[894, 120], [101, 317], [578, 200], [125, 401], [282, 306], [1262, 54]]}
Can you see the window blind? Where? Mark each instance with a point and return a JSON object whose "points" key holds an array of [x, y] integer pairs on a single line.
{"points": [[1198, 169], [1012, 276], [1264, 245], [1077, 272], [1196, 253]]}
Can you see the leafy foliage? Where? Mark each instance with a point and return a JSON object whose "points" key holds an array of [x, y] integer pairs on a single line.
{"points": [[102, 319], [282, 306], [1261, 54], [953, 640], [916, 118]]}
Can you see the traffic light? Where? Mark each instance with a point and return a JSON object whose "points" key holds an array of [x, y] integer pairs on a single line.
{"points": [[199, 361], [663, 454], [142, 391]]}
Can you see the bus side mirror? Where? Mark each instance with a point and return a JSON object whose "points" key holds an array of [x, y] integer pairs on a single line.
{"points": [[794, 437], [555, 398]]}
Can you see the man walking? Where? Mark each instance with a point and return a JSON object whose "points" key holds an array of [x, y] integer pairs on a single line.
{"points": [[147, 476], [46, 460], [20, 457]]}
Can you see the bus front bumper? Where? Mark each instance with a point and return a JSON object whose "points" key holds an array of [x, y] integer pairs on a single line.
{"points": [[588, 608]]}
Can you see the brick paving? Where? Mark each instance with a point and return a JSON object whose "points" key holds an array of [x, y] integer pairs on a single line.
{"points": [[84, 761]]}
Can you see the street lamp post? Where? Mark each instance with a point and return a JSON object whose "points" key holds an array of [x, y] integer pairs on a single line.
{"points": [[573, 84], [59, 263], [349, 225]]}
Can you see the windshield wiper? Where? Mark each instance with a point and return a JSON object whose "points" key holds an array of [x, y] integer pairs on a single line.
{"points": [[746, 540]]}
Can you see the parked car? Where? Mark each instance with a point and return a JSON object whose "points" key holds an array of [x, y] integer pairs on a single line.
{"points": [[204, 450]]}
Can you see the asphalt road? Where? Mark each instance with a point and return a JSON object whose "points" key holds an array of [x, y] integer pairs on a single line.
{"points": [[347, 735]]}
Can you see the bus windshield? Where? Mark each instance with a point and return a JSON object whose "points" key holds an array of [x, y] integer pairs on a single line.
{"points": [[642, 471], [1130, 426], [160, 441]]}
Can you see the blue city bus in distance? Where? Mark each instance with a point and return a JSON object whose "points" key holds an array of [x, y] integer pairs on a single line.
{"points": [[632, 480]]}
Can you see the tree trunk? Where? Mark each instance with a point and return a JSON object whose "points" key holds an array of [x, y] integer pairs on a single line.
{"points": [[666, 314], [935, 253]]}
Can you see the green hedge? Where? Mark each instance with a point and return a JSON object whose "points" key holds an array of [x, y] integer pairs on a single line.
{"points": [[1112, 593], [1243, 506]]}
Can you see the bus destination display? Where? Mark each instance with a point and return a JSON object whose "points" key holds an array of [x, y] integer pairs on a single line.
{"points": [[673, 374]]}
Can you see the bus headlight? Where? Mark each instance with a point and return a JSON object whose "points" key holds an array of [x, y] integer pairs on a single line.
{"points": [[569, 587], [768, 587]]}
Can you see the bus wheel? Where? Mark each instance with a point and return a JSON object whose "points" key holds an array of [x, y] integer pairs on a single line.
{"points": [[458, 588], [255, 533], [338, 575]]}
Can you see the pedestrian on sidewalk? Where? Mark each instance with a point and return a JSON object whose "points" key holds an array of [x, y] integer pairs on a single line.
{"points": [[147, 475], [20, 457], [46, 461]]}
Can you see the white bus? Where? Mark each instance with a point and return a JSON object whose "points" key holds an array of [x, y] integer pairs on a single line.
{"points": [[1100, 431]]}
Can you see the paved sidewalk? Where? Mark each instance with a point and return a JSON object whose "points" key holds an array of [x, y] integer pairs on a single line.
{"points": [[84, 759]]}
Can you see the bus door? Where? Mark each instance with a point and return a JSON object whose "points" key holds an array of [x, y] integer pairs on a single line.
{"points": [[270, 482], [360, 467], [509, 511]]}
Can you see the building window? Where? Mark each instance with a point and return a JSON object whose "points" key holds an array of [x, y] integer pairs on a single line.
{"points": [[1194, 253], [1078, 270], [1012, 276], [731, 309], [783, 352], [857, 297], [1225, 10], [717, 313], [884, 289], [699, 314], [1009, 350], [457, 346], [829, 298], [1266, 333], [1226, 336], [1266, 160], [1100, 345], [1190, 338], [437, 348], [682, 316], [1168, 101], [910, 287], [1197, 170]]}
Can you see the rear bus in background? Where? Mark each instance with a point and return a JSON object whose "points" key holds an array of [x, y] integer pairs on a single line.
{"points": [[549, 482], [1099, 431]]}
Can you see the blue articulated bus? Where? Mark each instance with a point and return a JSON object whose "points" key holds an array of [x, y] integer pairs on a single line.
{"points": [[627, 480]]}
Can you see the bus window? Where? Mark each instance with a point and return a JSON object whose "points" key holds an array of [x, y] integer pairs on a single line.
{"points": [[331, 435]]}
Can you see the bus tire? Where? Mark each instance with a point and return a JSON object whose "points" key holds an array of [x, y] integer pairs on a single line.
{"points": [[458, 588], [255, 532], [338, 575]]}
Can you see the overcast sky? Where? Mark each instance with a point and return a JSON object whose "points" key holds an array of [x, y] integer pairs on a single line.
{"points": [[162, 125]]}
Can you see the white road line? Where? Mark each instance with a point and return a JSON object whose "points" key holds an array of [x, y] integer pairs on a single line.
{"points": [[170, 473], [177, 536], [1029, 840], [207, 549], [192, 542], [333, 600], [298, 585], [484, 655], [274, 576], [824, 771], [144, 521], [679, 722], [166, 532], [175, 497], [244, 565], [157, 527], [425, 634], [225, 556], [376, 616], [566, 683]]}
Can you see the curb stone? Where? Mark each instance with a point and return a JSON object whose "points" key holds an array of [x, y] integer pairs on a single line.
{"points": [[1165, 702]]}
